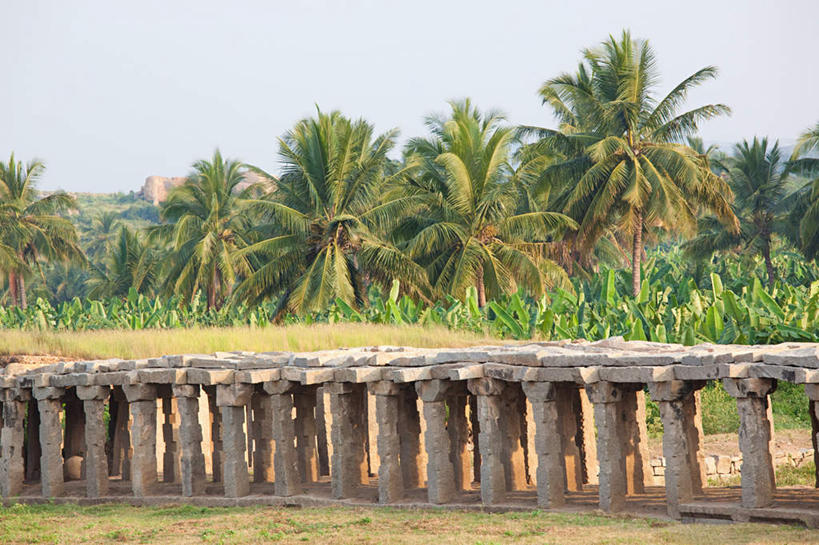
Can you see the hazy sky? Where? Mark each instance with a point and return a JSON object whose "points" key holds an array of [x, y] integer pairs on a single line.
{"points": [[107, 93]]}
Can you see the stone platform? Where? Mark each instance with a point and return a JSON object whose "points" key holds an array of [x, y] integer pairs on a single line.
{"points": [[557, 425]]}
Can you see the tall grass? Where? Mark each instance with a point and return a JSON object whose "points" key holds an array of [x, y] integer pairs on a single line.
{"points": [[156, 342]]}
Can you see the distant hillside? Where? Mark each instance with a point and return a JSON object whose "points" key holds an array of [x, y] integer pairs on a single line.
{"points": [[130, 208]]}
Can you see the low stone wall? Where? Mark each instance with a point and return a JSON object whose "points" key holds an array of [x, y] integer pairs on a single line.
{"points": [[721, 466], [556, 418]]}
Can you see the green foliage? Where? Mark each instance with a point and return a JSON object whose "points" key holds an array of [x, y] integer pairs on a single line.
{"points": [[719, 410]]}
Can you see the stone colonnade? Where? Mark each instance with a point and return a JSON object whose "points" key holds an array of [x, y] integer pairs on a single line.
{"points": [[424, 425]]}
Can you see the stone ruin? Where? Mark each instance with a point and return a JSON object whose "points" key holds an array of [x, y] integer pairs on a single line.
{"points": [[557, 425]]}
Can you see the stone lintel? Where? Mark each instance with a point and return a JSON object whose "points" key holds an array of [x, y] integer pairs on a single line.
{"points": [[278, 387], [384, 388], [233, 395], [433, 390], [185, 390], [208, 377], [673, 390], [139, 392], [358, 374], [50, 392], [486, 386], [87, 393], [539, 391], [749, 387], [605, 392]]}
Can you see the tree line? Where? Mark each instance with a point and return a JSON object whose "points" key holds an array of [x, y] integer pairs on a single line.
{"points": [[476, 202]]}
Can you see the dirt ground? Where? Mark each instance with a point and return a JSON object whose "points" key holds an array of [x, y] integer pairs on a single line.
{"points": [[727, 444]]}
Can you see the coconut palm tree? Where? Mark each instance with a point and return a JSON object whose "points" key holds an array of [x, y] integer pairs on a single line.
{"points": [[130, 263], [464, 218], [806, 211], [31, 227], [105, 228], [318, 239], [206, 223], [759, 178], [626, 165]]}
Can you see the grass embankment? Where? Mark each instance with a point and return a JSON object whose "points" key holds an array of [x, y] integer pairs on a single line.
{"points": [[187, 524], [126, 344]]}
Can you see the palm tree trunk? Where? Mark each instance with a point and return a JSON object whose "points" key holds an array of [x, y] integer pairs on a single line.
{"points": [[766, 253], [212, 290], [21, 291], [636, 252], [13, 288], [481, 288]]}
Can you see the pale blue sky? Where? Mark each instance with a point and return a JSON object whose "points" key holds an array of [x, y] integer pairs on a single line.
{"points": [[108, 93]]}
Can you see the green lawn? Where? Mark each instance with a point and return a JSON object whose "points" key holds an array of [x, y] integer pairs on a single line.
{"points": [[186, 524]]}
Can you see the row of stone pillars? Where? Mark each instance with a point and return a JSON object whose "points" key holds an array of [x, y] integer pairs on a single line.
{"points": [[529, 434]]}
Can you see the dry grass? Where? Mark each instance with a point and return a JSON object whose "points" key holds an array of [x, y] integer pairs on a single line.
{"points": [[187, 524], [147, 343]]}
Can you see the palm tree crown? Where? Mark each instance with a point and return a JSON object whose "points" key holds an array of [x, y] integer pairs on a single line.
{"points": [[464, 223], [624, 150], [320, 240]]}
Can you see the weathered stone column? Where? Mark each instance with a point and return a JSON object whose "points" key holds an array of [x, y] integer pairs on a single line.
{"points": [[121, 450], [171, 456], [409, 422], [493, 478], [585, 421], [285, 460], [231, 399], [390, 477], [142, 403], [812, 391], [551, 469], [305, 428], [12, 463], [215, 434], [458, 430], [96, 461], [758, 483], [607, 397], [513, 421], [73, 437], [32, 450], [50, 405], [681, 464], [264, 445], [440, 469], [349, 463], [567, 399], [324, 420], [192, 461]]}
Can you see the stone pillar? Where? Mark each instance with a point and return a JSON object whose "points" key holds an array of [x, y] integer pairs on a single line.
{"points": [[757, 470], [812, 391], [696, 439], [638, 467], [549, 439], [265, 446], [305, 429], [285, 460], [493, 478], [513, 422], [50, 405], [370, 424], [585, 421], [231, 400], [611, 452], [121, 450], [142, 403], [409, 422], [192, 461], [567, 399], [12, 466], [390, 477], [32, 450], [323, 424], [348, 468], [73, 437], [96, 461], [675, 399], [458, 430], [440, 469], [171, 457], [215, 435]]}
